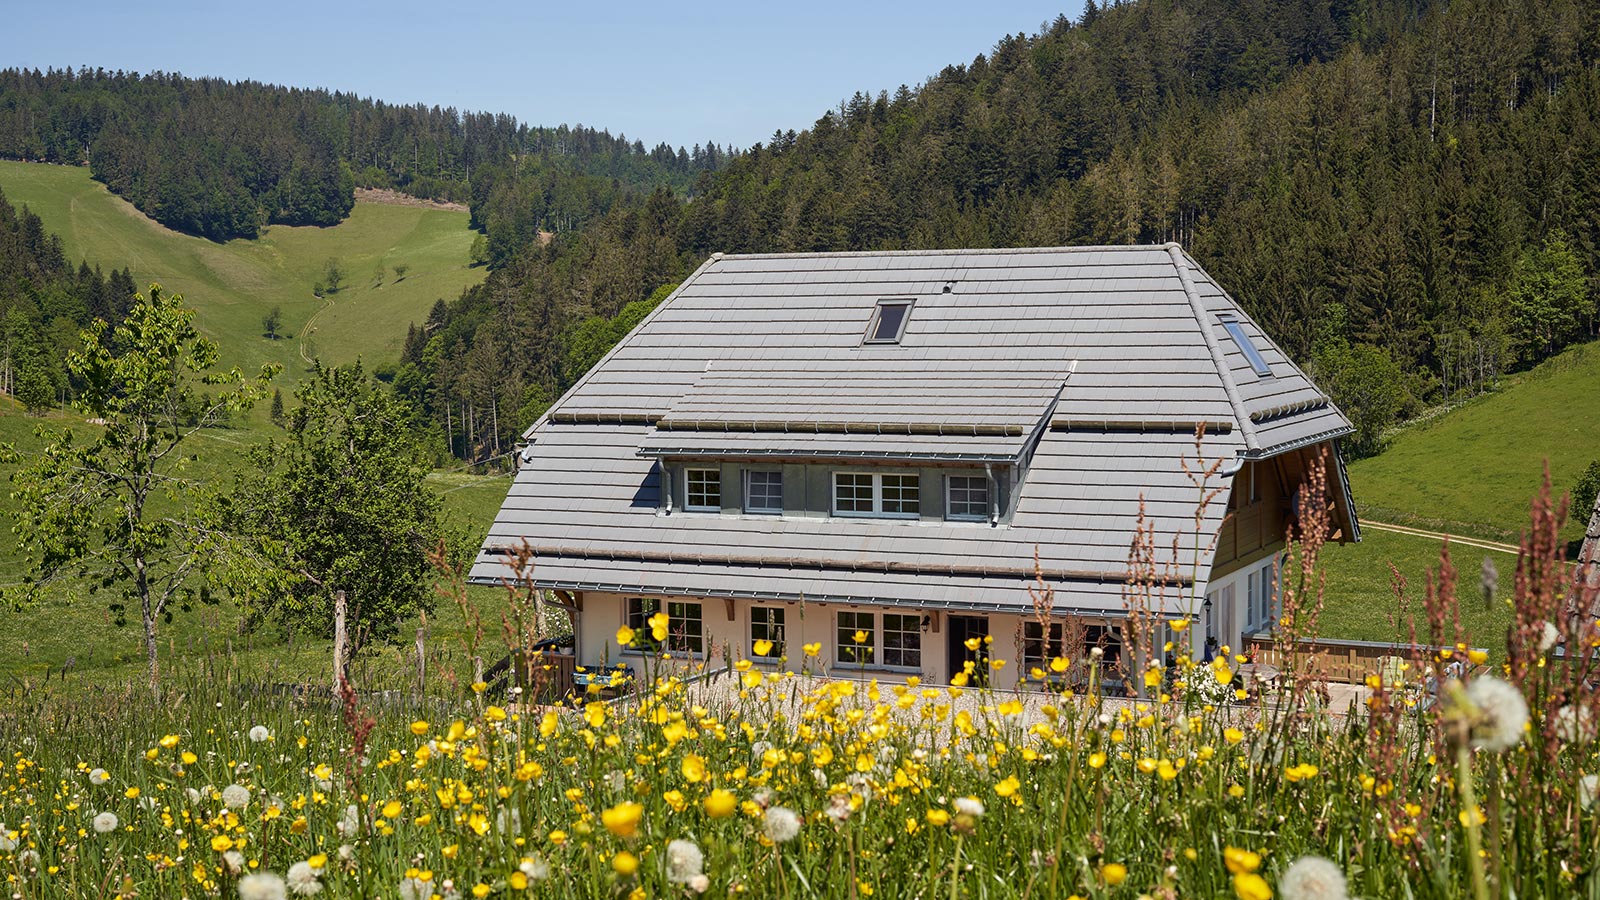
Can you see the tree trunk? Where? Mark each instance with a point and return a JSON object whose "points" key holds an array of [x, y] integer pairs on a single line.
{"points": [[339, 643], [142, 586]]}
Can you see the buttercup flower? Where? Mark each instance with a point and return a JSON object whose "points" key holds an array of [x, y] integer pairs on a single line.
{"points": [[1313, 878]]}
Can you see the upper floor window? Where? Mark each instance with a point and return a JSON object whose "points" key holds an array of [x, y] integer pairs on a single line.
{"points": [[967, 497], [871, 494], [763, 492], [703, 490], [888, 323]]}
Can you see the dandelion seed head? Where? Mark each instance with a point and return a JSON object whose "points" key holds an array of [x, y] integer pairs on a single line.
{"points": [[1313, 878], [259, 734], [99, 776], [1503, 713], [781, 824], [261, 886], [970, 806], [236, 796], [105, 823], [303, 880], [684, 861]]}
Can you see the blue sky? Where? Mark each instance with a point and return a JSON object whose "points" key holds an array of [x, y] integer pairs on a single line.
{"points": [[685, 73]]}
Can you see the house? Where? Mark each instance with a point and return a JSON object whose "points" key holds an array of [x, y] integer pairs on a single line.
{"points": [[866, 450]]}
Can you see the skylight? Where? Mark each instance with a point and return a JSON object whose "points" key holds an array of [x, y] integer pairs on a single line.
{"points": [[1248, 348], [888, 322]]}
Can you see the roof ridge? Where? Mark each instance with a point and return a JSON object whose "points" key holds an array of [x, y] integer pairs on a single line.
{"points": [[952, 251], [1241, 414]]}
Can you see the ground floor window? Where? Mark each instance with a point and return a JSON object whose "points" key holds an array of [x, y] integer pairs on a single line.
{"points": [[866, 639], [902, 641], [685, 625], [766, 625], [1108, 638], [1261, 598], [1037, 649], [857, 638]]}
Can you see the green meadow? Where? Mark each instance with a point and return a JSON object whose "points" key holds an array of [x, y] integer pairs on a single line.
{"points": [[234, 285]]}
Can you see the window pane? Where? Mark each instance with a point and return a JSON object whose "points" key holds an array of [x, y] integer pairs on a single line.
{"points": [[766, 624], [704, 489], [902, 641], [853, 625], [901, 494], [686, 628], [891, 316], [969, 497], [852, 493], [763, 492]]}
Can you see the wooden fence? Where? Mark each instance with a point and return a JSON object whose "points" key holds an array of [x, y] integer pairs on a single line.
{"points": [[1346, 662]]}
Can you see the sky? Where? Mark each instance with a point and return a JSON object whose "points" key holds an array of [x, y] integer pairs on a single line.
{"points": [[684, 73]]}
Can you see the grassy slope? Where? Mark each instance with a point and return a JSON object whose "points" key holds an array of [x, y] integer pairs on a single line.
{"points": [[1470, 471], [233, 285], [1473, 470]]}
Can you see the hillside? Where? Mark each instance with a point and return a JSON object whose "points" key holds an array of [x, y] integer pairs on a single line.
{"points": [[1472, 470], [234, 285]]}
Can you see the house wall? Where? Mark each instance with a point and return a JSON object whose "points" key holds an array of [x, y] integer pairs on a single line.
{"points": [[728, 638], [1227, 615], [1258, 517]]}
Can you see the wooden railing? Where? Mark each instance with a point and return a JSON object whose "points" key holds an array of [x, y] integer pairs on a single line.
{"points": [[544, 673], [1342, 661]]}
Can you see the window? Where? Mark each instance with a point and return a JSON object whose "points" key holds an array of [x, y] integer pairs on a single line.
{"points": [[763, 492], [902, 641], [855, 644], [703, 490], [766, 624], [685, 627], [863, 494], [1260, 594], [1248, 348], [888, 323], [1108, 638], [1037, 652], [967, 497]]}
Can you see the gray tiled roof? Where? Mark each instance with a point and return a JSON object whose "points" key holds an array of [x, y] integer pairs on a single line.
{"points": [[1111, 353]]}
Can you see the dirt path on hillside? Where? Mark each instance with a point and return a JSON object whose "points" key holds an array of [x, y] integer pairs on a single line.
{"points": [[309, 326], [1479, 543], [395, 198]]}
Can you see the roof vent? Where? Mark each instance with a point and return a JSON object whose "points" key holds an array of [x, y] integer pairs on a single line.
{"points": [[888, 323], [1246, 346]]}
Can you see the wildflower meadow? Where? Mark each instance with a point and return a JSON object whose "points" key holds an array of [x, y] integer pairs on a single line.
{"points": [[780, 784]]}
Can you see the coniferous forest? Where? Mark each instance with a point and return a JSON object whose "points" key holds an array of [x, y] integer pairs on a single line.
{"points": [[44, 303], [1406, 194]]}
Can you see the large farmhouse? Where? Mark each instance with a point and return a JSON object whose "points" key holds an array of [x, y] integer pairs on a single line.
{"points": [[866, 451]]}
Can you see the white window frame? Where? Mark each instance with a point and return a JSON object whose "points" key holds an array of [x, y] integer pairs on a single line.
{"points": [[688, 490], [677, 642], [988, 500], [763, 510], [844, 647], [779, 643], [877, 494]]}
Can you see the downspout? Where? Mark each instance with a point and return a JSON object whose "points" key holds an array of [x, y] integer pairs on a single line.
{"points": [[994, 495]]}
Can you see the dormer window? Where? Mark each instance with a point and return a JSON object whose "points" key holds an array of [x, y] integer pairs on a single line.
{"points": [[888, 322], [1246, 346], [702, 490]]}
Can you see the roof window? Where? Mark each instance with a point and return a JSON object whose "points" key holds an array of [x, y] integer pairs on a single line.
{"points": [[888, 322], [1248, 348]]}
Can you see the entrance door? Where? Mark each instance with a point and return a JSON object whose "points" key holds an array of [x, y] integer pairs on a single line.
{"points": [[962, 629]]}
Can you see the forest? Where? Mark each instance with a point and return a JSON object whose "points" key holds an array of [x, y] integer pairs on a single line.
{"points": [[44, 304], [1406, 195], [224, 159]]}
